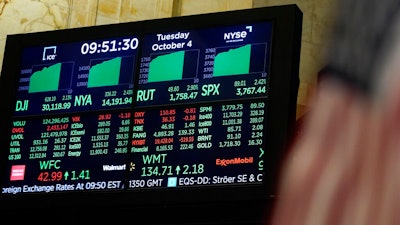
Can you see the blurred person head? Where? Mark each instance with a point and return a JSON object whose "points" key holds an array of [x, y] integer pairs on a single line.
{"points": [[345, 167]]}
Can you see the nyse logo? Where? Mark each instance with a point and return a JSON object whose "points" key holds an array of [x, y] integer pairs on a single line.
{"points": [[49, 53], [237, 35]]}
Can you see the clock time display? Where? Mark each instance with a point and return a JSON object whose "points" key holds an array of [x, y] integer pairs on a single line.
{"points": [[113, 45]]}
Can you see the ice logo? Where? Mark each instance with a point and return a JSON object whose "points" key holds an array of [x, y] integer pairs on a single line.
{"points": [[49, 53]]}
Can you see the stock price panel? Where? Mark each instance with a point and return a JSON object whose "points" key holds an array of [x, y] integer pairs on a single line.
{"points": [[78, 76], [230, 62], [192, 145], [201, 106], [68, 153]]}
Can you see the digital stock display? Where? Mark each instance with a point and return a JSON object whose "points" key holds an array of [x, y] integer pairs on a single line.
{"points": [[204, 65], [158, 109], [77, 77], [215, 144]]}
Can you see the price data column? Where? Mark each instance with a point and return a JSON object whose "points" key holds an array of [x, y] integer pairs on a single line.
{"points": [[69, 153], [202, 145], [70, 127], [200, 109]]}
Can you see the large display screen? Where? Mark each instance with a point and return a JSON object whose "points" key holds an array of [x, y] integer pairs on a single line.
{"points": [[198, 103]]}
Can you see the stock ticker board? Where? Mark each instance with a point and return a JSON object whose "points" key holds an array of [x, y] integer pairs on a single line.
{"points": [[100, 108], [162, 109]]}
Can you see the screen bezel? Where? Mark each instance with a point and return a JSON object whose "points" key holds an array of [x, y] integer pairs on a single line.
{"points": [[284, 81]]}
